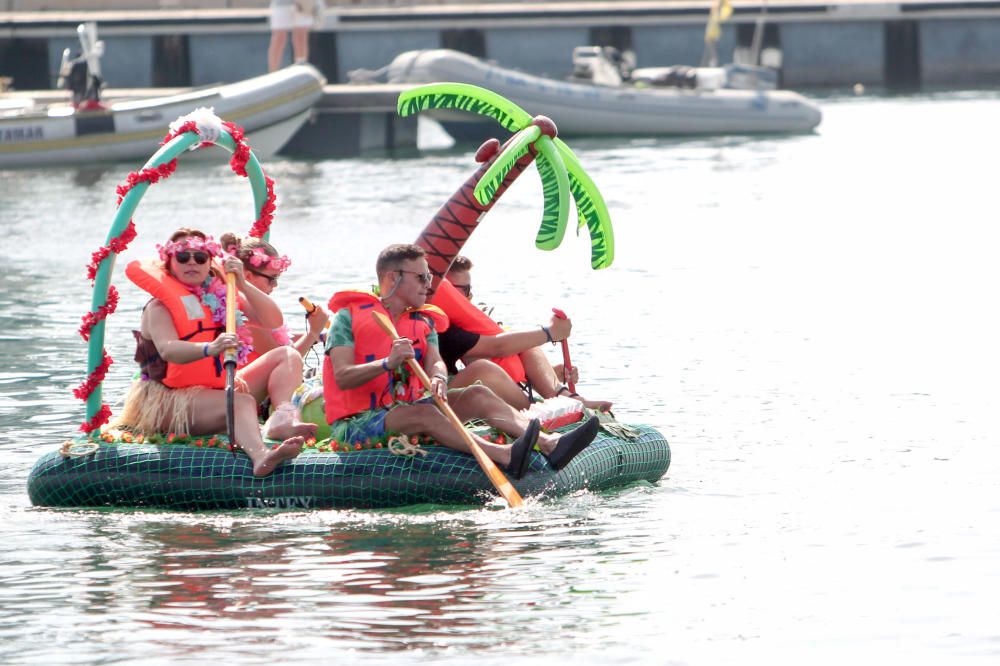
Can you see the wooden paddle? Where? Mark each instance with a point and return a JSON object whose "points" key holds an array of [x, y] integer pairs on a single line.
{"points": [[229, 361], [567, 364], [496, 477]]}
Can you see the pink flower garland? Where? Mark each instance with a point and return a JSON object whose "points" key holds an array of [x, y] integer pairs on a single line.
{"points": [[152, 175]]}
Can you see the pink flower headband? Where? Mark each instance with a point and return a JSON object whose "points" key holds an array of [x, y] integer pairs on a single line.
{"points": [[261, 259], [190, 243]]}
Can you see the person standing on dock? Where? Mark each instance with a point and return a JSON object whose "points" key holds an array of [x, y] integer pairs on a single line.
{"points": [[297, 17]]}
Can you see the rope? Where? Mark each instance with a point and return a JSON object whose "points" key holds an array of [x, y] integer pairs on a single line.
{"points": [[401, 446], [72, 449]]}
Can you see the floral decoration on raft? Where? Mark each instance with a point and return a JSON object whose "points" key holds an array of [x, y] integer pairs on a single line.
{"points": [[200, 121]]}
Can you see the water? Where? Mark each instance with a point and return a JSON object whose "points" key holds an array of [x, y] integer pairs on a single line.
{"points": [[811, 321]]}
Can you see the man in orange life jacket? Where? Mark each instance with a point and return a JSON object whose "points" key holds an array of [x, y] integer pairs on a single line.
{"points": [[368, 391], [503, 360]]}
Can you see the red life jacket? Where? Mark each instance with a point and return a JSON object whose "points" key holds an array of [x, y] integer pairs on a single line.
{"points": [[371, 343], [463, 314], [192, 320]]}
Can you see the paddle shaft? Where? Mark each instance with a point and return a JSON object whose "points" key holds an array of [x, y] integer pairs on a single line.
{"points": [[567, 364], [229, 361], [496, 477]]}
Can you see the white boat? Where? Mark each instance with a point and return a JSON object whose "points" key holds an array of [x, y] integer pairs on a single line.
{"points": [[588, 108], [270, 108], [83, 129]]}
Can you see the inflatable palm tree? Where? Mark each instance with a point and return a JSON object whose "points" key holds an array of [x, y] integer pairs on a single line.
{"points": [[535, 140]]}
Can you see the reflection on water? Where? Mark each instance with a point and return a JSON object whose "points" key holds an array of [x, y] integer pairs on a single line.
{"points": [[806, 318]]}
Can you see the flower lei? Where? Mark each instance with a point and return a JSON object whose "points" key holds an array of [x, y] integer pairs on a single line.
{"points": [[117, 245], [281, 335], [212, 293], [260, 258]]}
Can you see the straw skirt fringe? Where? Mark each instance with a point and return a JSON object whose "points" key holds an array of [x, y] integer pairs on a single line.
{"points": [[150, 408]]}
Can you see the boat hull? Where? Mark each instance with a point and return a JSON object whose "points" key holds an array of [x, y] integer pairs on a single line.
{"points": [[269, 108], [190, 478], [581, 109]]}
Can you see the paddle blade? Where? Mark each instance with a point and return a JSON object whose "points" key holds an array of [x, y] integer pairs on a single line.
{"points": [[515, 149], [463, 97], [555, 188], [590, 209]]}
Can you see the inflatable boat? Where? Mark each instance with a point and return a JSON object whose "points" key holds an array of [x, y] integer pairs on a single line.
{"points": [[269, 108], [592, 109], [198, 475], [104, 467]]}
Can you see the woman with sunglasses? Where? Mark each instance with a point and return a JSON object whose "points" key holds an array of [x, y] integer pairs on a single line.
{"points": [[263, 268], [179, 348]]}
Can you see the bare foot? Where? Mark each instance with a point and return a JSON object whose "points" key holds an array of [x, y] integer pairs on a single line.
{"points": [[288, 449], [285, 423]]}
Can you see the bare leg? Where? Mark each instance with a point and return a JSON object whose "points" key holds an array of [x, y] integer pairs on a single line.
{"points": [[427, 420], [300, 44], [547, 383], [478, 402], [277, 374], [493, 376], [276, 50], [539, 372], [209, 416]]}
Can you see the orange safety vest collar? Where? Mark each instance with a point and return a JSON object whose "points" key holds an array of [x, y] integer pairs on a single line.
{"points": [[370, 344], [192, 320]]}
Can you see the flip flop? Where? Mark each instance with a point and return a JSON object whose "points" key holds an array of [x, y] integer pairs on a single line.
{"points": [[520, 450], [572, 443]]}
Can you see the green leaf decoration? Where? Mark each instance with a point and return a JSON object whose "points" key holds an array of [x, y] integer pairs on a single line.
{"points": [[555, 187], [517, 146], [464, 97], [590, 208]]}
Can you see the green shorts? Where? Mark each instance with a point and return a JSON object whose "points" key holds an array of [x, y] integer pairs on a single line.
{"points": [[369, 424]]}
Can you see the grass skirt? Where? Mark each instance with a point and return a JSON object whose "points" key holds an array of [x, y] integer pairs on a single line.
{"points": [[150, 408]]}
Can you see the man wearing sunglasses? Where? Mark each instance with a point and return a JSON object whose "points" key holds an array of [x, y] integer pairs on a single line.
{"points": [[509, 362], [369, 392]]}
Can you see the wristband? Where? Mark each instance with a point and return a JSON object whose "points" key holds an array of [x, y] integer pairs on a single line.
{"points": [[204, 350], [385, 364], [548, 334], [443, 378]]}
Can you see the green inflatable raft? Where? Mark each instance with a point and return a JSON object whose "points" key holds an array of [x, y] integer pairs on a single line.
{"points": [[203, 474]]}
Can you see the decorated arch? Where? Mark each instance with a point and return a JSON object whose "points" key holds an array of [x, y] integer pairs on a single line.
{"points": [[198, 129]]}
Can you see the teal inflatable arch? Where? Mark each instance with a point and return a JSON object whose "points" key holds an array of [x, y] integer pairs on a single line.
{"points": [[102, 281]]}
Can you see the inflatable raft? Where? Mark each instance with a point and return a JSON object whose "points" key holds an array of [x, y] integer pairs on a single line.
{"points": [[187, 476], [103, 467]]}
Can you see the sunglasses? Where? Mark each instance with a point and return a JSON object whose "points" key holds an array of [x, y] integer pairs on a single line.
{"points": [[271, 279], [464, 288], [423, 277], [184, 257]]}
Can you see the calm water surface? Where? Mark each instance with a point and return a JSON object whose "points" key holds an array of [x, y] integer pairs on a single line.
{"points": [[811, 321]]}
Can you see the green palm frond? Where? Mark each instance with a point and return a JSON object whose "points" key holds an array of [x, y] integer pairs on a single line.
{"points": [[517, 146], [464, 97], [590, 209], [555, 188]]}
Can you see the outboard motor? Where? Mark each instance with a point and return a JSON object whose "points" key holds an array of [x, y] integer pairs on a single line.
{"points": [[81, 73]]}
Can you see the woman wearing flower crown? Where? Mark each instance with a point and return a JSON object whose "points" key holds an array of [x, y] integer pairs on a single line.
{"points": [[263, 268], [179, 351]]}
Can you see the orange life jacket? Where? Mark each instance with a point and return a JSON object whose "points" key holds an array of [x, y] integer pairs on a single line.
{"points": [[192, 319], [463, 314], [371, 343]]}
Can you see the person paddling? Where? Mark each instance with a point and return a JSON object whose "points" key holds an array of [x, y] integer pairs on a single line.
{"points": [[263, 267], [509, 362], [179, 347], [368, 391]]}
